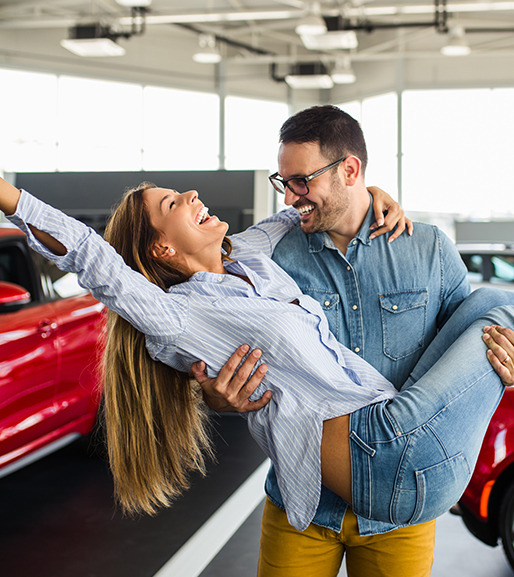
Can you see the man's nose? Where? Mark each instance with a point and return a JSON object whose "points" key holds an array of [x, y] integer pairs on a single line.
{"points": [[290, 197]]}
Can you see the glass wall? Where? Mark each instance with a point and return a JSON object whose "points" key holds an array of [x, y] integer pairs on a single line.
{"points": [[180, 130], [76, 124], [457, 151], [378, 117], [28, 120], [455, 148], [251, 133]]}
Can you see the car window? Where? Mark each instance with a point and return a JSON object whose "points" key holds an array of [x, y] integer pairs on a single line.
{"points": [[57, 283], [13, 267], [491, 268]]}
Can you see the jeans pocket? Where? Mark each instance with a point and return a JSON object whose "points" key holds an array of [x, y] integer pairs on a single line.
{"points": [[438, 488], [403, 322]]}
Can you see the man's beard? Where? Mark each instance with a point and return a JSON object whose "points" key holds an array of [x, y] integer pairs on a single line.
{"points": [[330, 214]]}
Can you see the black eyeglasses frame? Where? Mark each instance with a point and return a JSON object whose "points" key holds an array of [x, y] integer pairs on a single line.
{"points": [[279, 183]]}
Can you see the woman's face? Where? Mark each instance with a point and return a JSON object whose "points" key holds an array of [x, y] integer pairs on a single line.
{"points": [[185, 226]]}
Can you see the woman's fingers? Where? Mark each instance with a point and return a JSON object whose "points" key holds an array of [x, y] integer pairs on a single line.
{"points": [[500, 343]]}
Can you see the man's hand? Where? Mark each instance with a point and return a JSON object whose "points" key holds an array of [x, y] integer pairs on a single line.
{"points": [[230, 390], [500, 352], [395, 216]]}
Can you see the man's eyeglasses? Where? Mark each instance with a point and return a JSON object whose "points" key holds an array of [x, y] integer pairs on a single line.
{"points": [[299, 184]]}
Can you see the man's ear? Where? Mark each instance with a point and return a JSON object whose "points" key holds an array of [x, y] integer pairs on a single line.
{"points": [[352, 170]]}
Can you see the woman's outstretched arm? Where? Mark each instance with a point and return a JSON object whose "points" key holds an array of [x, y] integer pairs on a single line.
{"points": [[9, 197], [76, 248]]}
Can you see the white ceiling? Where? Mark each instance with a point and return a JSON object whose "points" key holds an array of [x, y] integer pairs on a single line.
{"points": [[253, 34]]}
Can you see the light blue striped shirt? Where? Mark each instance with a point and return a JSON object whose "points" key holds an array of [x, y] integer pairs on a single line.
{"points": [[313, 377]]}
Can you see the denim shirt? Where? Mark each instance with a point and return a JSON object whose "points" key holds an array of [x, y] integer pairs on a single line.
{"points": [[384, 301]]}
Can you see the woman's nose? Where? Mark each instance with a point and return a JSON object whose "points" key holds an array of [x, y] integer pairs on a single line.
{"points": [[190, 196]]}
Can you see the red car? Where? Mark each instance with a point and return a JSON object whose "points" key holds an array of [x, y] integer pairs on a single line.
{"points": [[487, 506], [50, 331]]}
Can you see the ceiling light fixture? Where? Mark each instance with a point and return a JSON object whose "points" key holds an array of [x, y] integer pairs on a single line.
{"points": [[306, 76], [332, 40], [457, 44], [208, 53], [93, 41], [312, 24], [135, 3], [343, 73]]}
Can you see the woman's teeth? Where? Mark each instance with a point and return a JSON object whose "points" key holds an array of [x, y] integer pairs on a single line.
{"points": [[203, 215]]}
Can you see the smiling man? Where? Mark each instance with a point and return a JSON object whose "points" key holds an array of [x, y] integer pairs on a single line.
{"points": [[385, 301]]}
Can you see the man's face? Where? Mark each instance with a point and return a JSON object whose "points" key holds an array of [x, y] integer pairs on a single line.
{"points": [[328, 200]]}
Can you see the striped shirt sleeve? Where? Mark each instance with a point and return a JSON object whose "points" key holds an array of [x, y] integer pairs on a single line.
{"points": [[103, 271]]}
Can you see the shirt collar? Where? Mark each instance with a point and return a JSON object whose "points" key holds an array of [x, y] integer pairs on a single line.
{"points": [[320, 240]]}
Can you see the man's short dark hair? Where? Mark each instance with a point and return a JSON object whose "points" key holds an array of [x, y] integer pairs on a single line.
{"points": [[336, 132]]}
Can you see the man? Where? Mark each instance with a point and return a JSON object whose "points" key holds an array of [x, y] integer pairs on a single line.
{"points": [[385, 301]]}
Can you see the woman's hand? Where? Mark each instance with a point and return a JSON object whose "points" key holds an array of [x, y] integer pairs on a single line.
{"points": [[9, 196], [231, 389], [500, 352], [395, 217]]}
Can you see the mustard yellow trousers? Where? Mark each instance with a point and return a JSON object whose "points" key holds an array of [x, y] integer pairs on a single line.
{"points": [[319, 552]]}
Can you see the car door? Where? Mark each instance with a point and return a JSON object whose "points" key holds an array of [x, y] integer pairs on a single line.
{"points": [[80, 322], [29, 361]]}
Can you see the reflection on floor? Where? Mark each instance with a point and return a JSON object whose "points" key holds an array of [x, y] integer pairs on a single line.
{"points": [[58, 520]]}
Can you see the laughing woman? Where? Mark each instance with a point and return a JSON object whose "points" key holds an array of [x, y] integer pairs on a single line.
{"points": [[180, 291]]}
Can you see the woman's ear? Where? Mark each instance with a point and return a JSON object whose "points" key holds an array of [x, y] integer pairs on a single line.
{"points": [[160, 251]]}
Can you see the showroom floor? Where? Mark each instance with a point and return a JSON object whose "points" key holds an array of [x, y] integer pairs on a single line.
{"points": [[58, 520]]}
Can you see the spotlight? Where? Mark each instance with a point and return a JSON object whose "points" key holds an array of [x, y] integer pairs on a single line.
{"points": [[208, 52], [457, 45], [343, 73]]}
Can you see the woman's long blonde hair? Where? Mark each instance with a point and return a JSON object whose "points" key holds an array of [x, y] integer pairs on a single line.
{"points": [[156, 423]]}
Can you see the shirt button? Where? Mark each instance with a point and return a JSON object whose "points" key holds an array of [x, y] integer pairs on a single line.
{"points": [[220, 279], [354, 242], [326, 303], [357, 349], [348, 268], [395, 307], [355, 307]]}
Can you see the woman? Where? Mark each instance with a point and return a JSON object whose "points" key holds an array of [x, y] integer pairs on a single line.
{"points": [[401, 458]]}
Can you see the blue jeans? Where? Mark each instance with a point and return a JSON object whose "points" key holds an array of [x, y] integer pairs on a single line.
{"points": [[413, 456]]}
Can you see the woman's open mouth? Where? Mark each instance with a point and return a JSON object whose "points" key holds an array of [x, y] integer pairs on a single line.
{"points": [[202, 216]]}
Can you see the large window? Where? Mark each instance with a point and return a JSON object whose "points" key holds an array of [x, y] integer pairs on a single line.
{"points": [[28, 120], [251, 133], [457, 151], [181, 130], [77, 124], [378, 117], [99, 125]]}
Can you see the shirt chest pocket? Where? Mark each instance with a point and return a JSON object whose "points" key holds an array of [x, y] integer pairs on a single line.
{"points": [[403, 322], [330, 304]]}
